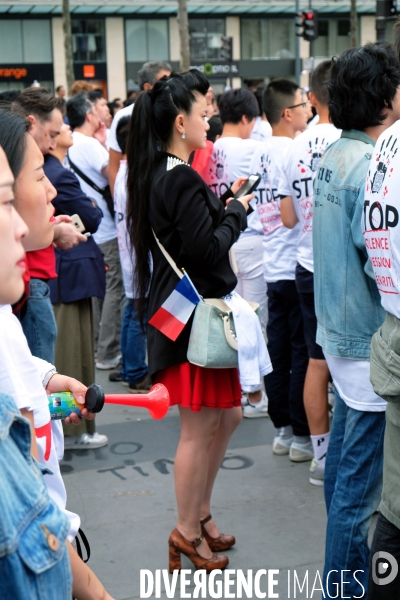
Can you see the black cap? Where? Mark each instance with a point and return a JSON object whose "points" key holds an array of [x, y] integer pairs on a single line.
{"points": [[94, 399]]}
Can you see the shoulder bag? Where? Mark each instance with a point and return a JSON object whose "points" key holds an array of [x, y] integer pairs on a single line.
{"points": [[212, 342], [105, 192]]}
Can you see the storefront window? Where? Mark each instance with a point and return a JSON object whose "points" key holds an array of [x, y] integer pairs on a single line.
{"points": [[146, 39], [88, 40], [333, 37], [25, 41], [343, 35], [267, 38], [321, 44], [205, 38]]}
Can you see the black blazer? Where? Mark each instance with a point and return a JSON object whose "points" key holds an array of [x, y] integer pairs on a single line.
{"points": [[81, 270], [197, 230]]}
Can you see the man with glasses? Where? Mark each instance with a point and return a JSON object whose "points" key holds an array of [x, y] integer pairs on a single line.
{"points": [[284, 106]]}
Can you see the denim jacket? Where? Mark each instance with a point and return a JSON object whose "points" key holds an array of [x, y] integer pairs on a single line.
{"points": [[347, 301], [34, 561]]}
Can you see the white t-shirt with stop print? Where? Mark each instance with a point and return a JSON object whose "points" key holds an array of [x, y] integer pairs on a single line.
{"points": [[298, 172]]}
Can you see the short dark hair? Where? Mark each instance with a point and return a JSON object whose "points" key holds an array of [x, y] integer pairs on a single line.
{"points": [[278, 95], [13, 130], [122, 133], [216, 127], [362, 84], [149, 71], [77, 107], [95, 95], [318, 80], [36, 101], [7, 97], [235, 104], [59, 87]]}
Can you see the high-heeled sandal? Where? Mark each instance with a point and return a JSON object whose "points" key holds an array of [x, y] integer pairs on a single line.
{"points": [[219, 544], [179, 545]]}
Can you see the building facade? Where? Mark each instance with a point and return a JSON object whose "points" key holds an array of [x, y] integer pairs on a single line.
{"points": [[113, 39]]}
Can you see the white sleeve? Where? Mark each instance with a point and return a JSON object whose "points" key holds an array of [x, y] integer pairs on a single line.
{"points": [[112, 135], [284, 187], [19, 375], [42, 366]]}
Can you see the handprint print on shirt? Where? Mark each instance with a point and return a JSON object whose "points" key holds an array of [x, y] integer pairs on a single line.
{"points": [[386, 154], [219, 160], [265, 168], [315, 151]]}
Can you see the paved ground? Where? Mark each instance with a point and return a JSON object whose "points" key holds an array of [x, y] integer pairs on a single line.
{"points": [[124, 494]]}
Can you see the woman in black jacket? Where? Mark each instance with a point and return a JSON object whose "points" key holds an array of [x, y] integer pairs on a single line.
{"points": [[80, 277], [197, 229]]}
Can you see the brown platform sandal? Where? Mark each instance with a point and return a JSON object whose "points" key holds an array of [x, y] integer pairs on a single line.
{"points": [[179, 545], [222, 542]]}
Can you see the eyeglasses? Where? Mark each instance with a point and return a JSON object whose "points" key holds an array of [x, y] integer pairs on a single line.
{"points": [[303, 104]]}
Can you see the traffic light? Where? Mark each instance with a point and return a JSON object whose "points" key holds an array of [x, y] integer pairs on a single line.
{"points": [[307, 25], [227, 48]]}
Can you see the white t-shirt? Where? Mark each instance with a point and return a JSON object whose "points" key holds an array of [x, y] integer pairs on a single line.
{"points": [[91, 157], [380, 219], [262, 130], [231, 158], [112, 134], [21, 376], [351, 378], [280, 243], [297, 176], [126, 252]]}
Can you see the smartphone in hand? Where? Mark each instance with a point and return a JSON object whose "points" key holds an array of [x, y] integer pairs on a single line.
{"points": [[77, 222], [249, 186]]}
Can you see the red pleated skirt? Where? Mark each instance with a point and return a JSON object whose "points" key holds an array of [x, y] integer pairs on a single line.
{"points": [[193, 387]]}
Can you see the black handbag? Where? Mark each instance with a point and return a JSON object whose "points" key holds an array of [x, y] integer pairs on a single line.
{"points": [[105, 192]]}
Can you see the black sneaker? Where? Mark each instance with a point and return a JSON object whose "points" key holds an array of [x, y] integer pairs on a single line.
{"points": [[116, 376], [141, 387]]}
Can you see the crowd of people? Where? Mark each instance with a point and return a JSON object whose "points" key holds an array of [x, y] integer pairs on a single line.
{"points": [[107, 207]]}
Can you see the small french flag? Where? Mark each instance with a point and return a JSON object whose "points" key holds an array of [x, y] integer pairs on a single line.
{"points": [[173, 315]]}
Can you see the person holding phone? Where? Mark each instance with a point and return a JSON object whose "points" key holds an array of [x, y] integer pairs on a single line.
{"points": [[231, 159], [167, 196]]}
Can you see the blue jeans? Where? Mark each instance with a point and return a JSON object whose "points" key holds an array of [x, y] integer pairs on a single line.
{"points": [[38, 323], [133, 346], [352, 486]]}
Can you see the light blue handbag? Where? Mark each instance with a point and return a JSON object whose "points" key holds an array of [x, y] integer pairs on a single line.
{"points": [[212, 342]]}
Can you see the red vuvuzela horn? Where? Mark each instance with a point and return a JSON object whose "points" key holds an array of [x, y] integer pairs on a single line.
{"points": [[156, 401]]}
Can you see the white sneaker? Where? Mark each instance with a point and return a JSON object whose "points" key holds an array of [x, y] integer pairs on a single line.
{"points": [[301, 452], [316, 473], [105, 365], [259, 409], [85, 440], [281, 445], [243, 400]]}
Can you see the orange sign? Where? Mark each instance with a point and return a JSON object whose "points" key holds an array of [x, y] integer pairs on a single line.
{"points": [[89, 71], [16, 73]]}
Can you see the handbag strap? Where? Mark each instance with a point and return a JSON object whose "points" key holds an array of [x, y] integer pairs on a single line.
{"points": [[84, 177], [168, 257]]}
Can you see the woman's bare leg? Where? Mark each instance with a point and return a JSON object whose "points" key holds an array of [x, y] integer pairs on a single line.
{"points": [[198, 430], [230, 419]]}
